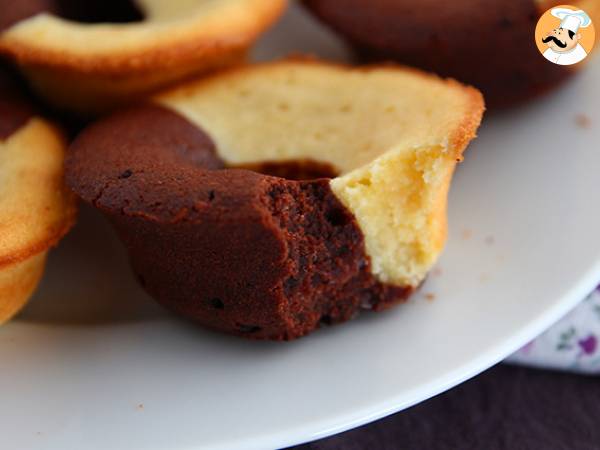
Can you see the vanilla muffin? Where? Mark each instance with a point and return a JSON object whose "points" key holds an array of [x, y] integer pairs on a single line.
{"points": [[194, 184], [137, 47], [36, 210], [490, 43]]}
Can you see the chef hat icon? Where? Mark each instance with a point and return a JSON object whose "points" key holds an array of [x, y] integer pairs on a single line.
{"points": [[570, 19]]}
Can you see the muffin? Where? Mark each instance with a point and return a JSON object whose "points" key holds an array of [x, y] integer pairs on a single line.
{"points": [[267, 200], [90, 56], [489, 44], [36, 210]]}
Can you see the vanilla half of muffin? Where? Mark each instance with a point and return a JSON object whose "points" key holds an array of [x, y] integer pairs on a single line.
{"points": [[268, 199]]}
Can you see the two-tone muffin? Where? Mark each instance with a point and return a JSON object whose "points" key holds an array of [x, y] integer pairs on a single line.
{"points": [[267, 200]]}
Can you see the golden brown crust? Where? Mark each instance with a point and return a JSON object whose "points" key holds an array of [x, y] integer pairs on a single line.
{"points": [[165, 54], [53, 217], [17, 283], [459, 141], [37, 210], [95, 93], [137, 59], [468, 129], [44, 242], [463, 134]]}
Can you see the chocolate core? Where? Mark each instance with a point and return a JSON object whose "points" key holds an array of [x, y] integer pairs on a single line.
{"points": [[305, 169], [99, 11], [88, 11], [15, 109], [239, 251]]}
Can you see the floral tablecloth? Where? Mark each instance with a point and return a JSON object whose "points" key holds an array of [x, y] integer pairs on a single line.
{"points": [[570, 344]]}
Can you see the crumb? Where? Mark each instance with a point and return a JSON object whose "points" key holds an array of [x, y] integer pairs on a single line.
{"points": [[39, 433], [429, 297], [437, 272], [489, 240], [467, 233], [583, 121], [483, 277], [140, 406]]}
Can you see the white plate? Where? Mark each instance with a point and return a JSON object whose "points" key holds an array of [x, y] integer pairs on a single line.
{"points": [[94, 364]]}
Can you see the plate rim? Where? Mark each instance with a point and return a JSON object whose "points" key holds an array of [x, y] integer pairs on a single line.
{"points": [[338, 424]]}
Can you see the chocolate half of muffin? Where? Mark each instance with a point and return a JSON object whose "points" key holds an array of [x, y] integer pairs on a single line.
{"points": [[489, 44]]}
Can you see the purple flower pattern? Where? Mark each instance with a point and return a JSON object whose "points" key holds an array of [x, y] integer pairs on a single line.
{"points": [[571, 344], [588, 345]]}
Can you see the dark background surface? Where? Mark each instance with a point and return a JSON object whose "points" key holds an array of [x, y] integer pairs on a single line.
{"points": [[507, 407]]}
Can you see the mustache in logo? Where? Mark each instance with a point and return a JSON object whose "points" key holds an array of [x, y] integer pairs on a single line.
{"points": [[556, 41]]}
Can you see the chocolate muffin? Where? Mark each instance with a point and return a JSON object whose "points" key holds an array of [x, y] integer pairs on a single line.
{"points": [[194, 185], [36, 210], [489, 44], [90, 56]]}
